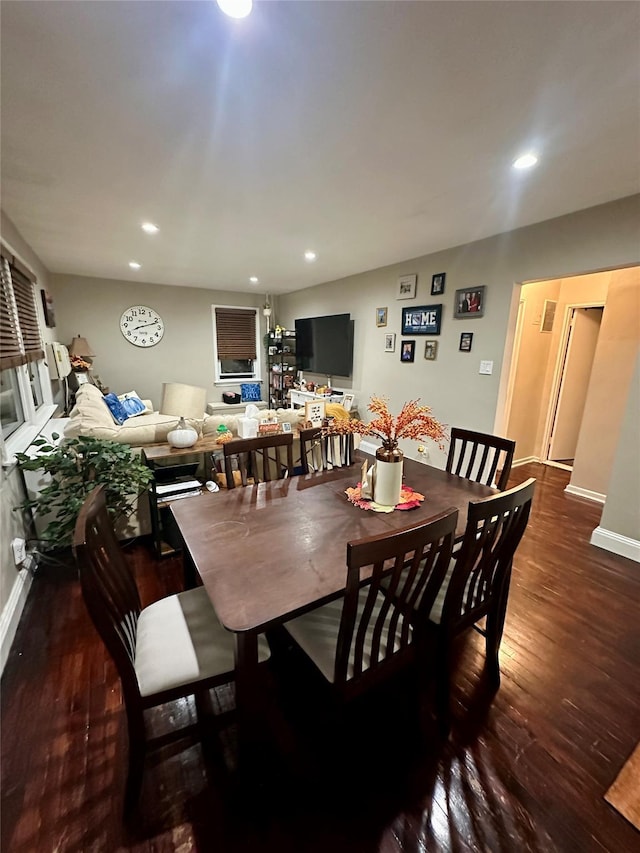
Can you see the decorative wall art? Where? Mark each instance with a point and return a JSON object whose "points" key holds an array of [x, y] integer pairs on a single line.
{"points": [[422, 320], [469, 302], [466, 339], [381, 316], [407, 287], [47, 307], [390, 342], [437, 283], [431, 350], [408, 351]]}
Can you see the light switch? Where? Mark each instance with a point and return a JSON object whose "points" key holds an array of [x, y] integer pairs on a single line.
{"points": [[486, 367]]}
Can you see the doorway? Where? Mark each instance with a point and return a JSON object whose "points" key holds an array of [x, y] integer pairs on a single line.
{"points": [[573, 370]]}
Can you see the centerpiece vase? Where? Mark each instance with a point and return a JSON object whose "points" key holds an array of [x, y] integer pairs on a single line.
{"points": [[388, 478]]}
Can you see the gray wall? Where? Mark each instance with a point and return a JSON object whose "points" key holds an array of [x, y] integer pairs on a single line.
{"points": [[92, 307], [598, 238]]}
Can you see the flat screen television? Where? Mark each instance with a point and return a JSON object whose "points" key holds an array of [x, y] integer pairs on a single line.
{"points": [[325, 344]]}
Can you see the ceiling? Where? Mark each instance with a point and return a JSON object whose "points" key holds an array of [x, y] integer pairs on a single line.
{"points": [[370, 132]]}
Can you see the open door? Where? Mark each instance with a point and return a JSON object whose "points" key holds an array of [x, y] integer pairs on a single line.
{"points": [[578, 354]]}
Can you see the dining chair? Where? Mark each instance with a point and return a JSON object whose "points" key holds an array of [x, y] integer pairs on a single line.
{"points": [[170, 649], [259, 458], [476, 584], [367, 634], [319, 451], [479, 456]]}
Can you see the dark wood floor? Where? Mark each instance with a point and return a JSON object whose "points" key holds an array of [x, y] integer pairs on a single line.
{"points": [[525, 772]]}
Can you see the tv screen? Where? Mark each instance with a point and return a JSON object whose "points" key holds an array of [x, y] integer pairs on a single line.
{"points": [[325, 344]]}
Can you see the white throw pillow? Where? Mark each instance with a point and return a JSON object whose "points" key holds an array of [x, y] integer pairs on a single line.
{"points": [[133, 404]]}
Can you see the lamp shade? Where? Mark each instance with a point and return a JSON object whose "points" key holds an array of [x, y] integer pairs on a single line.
{"points": [[80, 346], [184, 401]]}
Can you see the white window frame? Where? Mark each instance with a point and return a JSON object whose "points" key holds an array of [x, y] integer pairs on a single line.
{"points": [[35, 418], [257, 364]]}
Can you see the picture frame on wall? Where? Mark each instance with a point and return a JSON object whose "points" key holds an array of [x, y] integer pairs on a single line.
{"points": [[422, 320], [469, 303], [407, 285], [466, 339], [408, 351], [390, 342], [431, 350], [381, 316], [48, 309], [437, 283]]}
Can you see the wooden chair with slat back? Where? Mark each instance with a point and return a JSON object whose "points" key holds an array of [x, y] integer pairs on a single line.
{"points": [[261, 458], [479, 456], [368, 634], [173, 648], [320, 452], [477, 582]]}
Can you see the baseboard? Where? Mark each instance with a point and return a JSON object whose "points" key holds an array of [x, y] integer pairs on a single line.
{"points": [[597, 497], [624, 546], [12, 612], [527, 459]]}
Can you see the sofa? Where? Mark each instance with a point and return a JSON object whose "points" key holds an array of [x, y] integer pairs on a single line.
{"points": [[91, 417]]}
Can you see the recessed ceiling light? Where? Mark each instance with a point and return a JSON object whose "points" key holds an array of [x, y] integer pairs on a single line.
{"points": [[236, 8], [310, 256], [134, 265], [526, 161], [254, 279], [150, 228]]}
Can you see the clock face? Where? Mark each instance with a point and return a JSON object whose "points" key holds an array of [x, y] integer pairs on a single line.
{"points": [[142, 326]]}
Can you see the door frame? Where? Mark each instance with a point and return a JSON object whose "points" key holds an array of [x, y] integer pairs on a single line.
{"points": [[558, 374]]}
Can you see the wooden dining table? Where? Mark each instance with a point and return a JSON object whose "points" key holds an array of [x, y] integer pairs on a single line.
{"points": [[268, 552]]}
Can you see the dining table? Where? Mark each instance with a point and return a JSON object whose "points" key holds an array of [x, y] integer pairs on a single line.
{"points": [[268, 552]]}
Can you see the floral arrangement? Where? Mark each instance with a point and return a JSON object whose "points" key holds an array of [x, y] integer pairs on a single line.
{"points": [[414, 421], [79, 363]]}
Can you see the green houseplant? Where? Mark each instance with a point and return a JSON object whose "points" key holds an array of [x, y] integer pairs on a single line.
{"points": [[75, 467]]}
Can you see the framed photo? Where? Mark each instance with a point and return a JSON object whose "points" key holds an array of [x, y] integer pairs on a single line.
{"points": [[466, 339], [469, 303], [408, 351], [315, 412], [390, 342], [381, 316], [431, 350], [347, 402], [423, 320], [286, 427], [437, 283], [407, 287], [47, 307]]}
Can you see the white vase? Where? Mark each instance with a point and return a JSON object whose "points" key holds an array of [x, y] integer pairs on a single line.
{"points": [[388, 477], [183, 435]]}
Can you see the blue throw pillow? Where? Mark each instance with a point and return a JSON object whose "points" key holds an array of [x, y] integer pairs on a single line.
{"points": [[133, 406], [250, 392], [118, 411]]}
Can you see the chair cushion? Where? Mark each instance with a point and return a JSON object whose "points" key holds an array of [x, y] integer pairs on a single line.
{"points": [[180, 640], [317, 634]]}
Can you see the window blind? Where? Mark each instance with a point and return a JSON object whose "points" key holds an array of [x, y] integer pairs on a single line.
{"points": [[19, 331], [236, 333]]}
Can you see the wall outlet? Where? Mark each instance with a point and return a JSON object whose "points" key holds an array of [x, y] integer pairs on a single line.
{"points": [[486, 368], [19, 551]]}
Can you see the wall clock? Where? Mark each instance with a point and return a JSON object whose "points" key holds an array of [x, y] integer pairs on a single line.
{"points": [[142, 326]]}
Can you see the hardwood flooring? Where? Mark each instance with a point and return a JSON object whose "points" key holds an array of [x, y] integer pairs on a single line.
{"points": [[525, 771]]}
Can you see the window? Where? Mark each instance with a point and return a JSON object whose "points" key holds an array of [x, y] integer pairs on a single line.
{"points": [[236, 344], [24, 395]]}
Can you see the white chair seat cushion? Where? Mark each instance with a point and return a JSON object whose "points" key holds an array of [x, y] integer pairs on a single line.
{"points": [[316, 633], [180, 640]]}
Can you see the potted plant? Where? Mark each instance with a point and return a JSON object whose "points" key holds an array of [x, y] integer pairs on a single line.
{"points": [[75, 467]]}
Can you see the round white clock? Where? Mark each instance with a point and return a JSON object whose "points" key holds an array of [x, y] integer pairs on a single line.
{"points": [[142, 326]]}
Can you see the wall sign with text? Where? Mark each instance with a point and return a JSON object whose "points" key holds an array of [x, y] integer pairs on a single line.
{"points": [[422, 320]]}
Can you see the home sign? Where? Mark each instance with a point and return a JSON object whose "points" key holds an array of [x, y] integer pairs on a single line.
{"points": [[422, 320]]}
